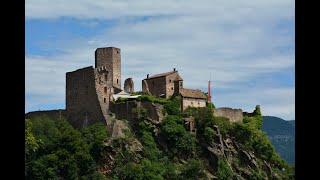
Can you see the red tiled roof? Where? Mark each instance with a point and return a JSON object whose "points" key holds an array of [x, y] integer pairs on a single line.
{"points": [[191, 93], [162, 74]]}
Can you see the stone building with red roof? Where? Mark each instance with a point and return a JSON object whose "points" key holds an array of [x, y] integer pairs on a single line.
{"points": [[170, 84], [161, 85]]}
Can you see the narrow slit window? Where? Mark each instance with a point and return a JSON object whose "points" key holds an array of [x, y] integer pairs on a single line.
{"points": [[104, 100], [117, 81]]}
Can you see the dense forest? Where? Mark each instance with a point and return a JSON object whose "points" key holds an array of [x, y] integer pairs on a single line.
{"points": [[147, 150]]}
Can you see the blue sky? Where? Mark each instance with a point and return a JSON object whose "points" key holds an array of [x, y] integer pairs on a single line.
{"points": [[248, 47]]}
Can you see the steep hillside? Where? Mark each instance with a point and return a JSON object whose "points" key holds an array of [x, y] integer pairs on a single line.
{"points": [[147, 148], [282, 135]]}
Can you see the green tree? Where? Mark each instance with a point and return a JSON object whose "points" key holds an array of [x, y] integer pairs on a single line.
{"points": [[193, 169], [224, 172], [173, 107], [180, 141], [209, 134], [145, 170], [94, 136], [64, 152], [31, 143]]}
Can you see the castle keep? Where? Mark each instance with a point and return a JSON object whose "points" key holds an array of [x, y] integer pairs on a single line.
{"points": [[89, 90]]}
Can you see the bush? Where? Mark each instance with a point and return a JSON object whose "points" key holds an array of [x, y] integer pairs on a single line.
{"points": [[193, 169], [224, 171], [209, 134], [225, 126], [172, 107], [179, 141], [150, 147], [121, 100], [140, 111], [152, 99], [94, 136], [146, 170], [254, 139], [65, 152]]}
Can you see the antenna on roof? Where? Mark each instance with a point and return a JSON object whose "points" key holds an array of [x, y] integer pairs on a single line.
{"points": [[209, 90]]}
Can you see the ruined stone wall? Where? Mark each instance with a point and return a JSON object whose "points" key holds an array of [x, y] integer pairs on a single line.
{"points": [[145, 87], [129, 85], [193, 102], [157, 86], [82, 103], [234, 115], [55, 114]]}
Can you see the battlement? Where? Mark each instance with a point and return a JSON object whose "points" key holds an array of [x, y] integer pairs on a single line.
{"points": [[102, 69], [81, 69]]}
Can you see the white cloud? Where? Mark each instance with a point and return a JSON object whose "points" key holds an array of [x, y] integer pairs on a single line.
{"points": [[85, 9], [273, 101], [235, 42]]}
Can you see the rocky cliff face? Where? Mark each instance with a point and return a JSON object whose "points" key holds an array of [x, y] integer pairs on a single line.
{"points": [[243, 163], [124, 146]]}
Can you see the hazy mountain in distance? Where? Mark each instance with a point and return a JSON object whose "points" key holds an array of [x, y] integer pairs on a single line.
{"points": [[282, 135]]}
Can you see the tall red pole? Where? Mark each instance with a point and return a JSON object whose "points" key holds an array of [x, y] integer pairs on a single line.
{"points": [[209, 92]]}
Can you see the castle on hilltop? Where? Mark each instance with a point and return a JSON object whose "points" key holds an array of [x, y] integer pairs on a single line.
{"points": [[91, 92]]}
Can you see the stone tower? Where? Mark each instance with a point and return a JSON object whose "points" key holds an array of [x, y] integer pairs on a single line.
{"points": [[89, 90], [110, 57]]}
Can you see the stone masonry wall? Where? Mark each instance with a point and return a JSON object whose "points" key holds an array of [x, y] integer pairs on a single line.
{"points": [[193, 102], [116, 57], [234, 115], [104, 89], [124, 111], [157, 86], [129, 85], [170, 84], [160, 85], [110, 57], [82, 103]]}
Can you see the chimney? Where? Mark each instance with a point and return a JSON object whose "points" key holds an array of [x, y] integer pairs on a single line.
{"points": [[147, 75], [174, 69]]}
